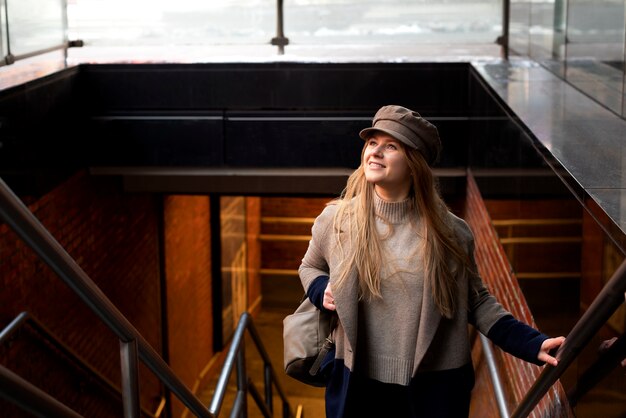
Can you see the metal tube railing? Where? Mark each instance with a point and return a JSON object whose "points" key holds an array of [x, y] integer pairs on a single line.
{"points": [[33, 233], [13, 326], [258, 399], [266, 359], [242, 376], [24, 318], [279, 40], [267, 376], [229, 364], [506, 17], [31, 398], [130, 379], [495, 377], [233, 357], [132, 345], [8, 58], [610, 298]]}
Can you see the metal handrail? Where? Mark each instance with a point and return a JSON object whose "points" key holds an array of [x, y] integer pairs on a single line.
{"points": [[605, 304], [11, 59], [235, 357], [495, 377], [24, 317], [32, 232], [132, 344], [31, 398]]}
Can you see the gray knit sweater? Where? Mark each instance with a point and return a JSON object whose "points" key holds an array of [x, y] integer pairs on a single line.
{"points": [[393, 338], [388, 325]]}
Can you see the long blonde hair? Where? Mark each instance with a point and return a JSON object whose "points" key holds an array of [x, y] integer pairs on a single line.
{"points": [[355, 219]]}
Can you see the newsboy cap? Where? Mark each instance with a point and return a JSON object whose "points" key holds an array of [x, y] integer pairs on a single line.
{"points": [[408, 127]]}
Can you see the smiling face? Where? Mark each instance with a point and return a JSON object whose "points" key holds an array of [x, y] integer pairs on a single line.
{"points": [[385, 165]]}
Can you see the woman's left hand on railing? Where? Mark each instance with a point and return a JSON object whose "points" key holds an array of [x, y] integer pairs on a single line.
{"points": [[547, 346]]}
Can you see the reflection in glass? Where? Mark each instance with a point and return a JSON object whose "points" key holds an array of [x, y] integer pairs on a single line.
{"points": [[181, 22], [541, 30], [547, 33], [3, 34], [595, 51], [29, 31], [519, 27], [392, 21], [194, 22], [234, 262]]}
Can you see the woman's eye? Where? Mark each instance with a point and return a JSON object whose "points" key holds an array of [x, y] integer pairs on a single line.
{"points": [[372, 143], [391, 146]]}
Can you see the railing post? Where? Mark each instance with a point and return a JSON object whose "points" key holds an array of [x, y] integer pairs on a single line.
{"points": [[242, 379], [130, 378], [8, 59], [279, 40], [24, 223], [268, 388], [506, 18], [495, 377]]}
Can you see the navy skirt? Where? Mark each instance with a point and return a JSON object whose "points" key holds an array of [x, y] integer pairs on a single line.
{"points": [[438, 394]]}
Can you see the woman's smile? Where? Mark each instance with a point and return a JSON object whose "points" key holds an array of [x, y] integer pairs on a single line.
{"points": [[385, 166]]}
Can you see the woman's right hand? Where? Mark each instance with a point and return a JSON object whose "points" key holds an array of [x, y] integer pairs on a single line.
{"points": [[329, 299]]}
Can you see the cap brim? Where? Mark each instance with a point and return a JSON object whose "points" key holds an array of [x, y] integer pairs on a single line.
{"points": [[367, 132]]}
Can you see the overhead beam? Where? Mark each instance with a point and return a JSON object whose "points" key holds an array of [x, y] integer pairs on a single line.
{"points": [[240, 181]]}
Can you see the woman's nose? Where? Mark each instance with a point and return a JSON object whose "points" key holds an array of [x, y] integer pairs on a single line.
{"points": [[378, 150]]}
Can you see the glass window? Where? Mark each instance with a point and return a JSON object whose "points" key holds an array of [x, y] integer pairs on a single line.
{"points": [[30, 32], [392, 21], [3, 34], [519, 27], [180, 22], [234, 262], [196, 22], [595, 49], [547, 34]]}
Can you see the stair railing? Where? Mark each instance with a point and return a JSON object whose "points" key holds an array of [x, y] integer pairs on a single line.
{"points": [[15, 214], [604, 305], [236, 358], [24, 318], [596, 316], [133, 346], [498, 388], [30, 398]]}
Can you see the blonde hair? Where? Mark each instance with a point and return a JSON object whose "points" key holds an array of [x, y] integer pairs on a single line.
{"points": [[355, 220]]}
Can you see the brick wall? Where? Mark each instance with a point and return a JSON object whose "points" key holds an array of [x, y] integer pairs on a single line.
{"points": [[113, 237], [493, 266]]}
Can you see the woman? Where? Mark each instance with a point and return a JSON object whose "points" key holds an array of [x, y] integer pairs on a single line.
{"points": [[398, 269]]}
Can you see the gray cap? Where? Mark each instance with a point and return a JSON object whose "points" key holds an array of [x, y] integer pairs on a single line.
{"points": [[407, 127]]}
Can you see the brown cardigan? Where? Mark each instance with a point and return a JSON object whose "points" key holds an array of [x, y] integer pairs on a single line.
{"points": [[441, 343]]}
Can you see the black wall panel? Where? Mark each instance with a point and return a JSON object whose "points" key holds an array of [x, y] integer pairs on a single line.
{"points": [[439, 89], [244, 115], [40, 132], [157, 140], [275, 115]]}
